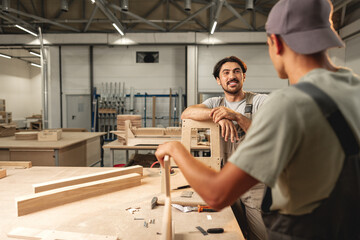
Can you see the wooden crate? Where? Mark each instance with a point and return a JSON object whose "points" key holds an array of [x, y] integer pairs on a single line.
{"points": [[7, 130], [49, 135]]}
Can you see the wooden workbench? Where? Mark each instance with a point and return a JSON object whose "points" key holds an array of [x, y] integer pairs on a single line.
{"points": [[120, 145], [73, 149], [106, 214]]}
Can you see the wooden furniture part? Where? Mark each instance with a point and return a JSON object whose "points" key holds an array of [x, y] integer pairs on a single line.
{"points": [[26, 135], [73, 149], [135, 121], [215, 160], [106, 214], [39, 234], [23, 164], [45, 186], [47, 199], [2, 173], [149, 136], [50, 135]]}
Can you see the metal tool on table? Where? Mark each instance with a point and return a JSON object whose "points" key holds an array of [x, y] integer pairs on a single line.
{"points": [[199, 208]]}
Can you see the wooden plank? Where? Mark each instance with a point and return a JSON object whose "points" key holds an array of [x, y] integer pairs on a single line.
{"points": [[38, 234], [52, 198], [25, 164], [40, 187], [2, 173]]}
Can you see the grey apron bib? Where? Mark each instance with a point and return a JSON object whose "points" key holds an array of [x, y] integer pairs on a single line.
{"points": [[337, 217]]}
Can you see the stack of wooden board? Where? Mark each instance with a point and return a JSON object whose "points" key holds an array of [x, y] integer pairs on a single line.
{"points": [[55, 193], [26, 135]]}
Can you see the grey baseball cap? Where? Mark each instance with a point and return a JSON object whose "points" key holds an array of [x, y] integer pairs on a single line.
{"points": [[305, 25]]}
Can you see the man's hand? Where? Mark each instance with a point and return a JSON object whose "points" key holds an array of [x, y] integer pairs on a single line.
{"points": [[167, 148], [228, 129], [222, 112]]}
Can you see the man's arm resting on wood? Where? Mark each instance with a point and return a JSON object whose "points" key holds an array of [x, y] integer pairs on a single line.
{"points": [[198, 112], [218, 189]]}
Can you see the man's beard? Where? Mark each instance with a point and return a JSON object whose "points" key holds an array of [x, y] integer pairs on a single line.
{"points": [[232, 92]]}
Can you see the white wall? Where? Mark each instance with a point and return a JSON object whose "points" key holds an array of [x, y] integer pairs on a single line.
{"points": [[352, 50], [118, 64], [260, 76], [20, 87]]}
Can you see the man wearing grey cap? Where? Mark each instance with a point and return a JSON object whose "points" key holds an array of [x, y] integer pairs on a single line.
{"points": [[304, 143]]}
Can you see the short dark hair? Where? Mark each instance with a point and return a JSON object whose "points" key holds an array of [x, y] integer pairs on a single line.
{"points": [[219, 64]]}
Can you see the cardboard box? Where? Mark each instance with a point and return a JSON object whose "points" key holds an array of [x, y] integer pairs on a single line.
{"points": [[7, 130], [49, 135]]}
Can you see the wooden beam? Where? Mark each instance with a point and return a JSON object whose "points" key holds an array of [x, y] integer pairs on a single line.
{"points": [[52, 198], [86, 178], [2, 173], [25, 164], [165, 177], [39, 234]]}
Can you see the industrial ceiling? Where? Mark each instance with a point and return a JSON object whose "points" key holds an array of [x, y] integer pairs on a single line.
{"points": [[133, 16], [141, 16]]}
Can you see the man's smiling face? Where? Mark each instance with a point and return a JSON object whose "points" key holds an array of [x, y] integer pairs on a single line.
{"points": [[231, 78]]}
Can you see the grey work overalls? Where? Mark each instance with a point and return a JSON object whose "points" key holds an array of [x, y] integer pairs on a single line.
{"points": [[247, 208], [338, 216]]}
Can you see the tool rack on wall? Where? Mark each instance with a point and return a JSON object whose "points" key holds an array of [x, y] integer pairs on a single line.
{"points": [[107, 105]]}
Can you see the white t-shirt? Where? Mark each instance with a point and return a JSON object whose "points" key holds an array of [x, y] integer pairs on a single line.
{"points": [[291, 147]]}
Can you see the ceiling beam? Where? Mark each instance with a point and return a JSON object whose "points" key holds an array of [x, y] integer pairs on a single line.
{"points": [[156, 6], [187, 13], [137, 17], [91, 18], [191, 16], [103, 7], [236, 14], [43, 19]]}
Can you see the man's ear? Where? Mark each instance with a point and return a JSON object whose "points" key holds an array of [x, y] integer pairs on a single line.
{"points": [[218, 81], [278, 43]]}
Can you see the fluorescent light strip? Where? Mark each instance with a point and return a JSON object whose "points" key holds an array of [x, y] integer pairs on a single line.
{"points": [[5, 56], [35, 54], [213, 27], [118, 29], [36, 65], [26, 30]]}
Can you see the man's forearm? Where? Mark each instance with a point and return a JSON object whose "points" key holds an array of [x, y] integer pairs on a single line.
{"points": [[196, 113]]}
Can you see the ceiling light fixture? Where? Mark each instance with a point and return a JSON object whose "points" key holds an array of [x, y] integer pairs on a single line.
{"points": [[35, 65], [187, 5], [64, 5], [35, 54], [213, 27], [92, 1], [5, 56], [118, 29], [26, 30]]}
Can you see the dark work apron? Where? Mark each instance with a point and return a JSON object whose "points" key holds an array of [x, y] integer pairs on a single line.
{"points": [[337, 217]]}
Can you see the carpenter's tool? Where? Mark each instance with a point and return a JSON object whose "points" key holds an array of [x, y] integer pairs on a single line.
{"points": [[154, 202], [215, 230], [199, 208], [182, 187], [202, 230]]}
